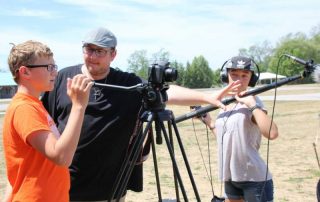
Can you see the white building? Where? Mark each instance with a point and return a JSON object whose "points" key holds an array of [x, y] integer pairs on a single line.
{"points": [[267, 78]]}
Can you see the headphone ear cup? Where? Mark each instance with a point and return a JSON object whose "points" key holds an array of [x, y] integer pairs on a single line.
{"points": [[254, 79], [224, 76], [224, 73]]}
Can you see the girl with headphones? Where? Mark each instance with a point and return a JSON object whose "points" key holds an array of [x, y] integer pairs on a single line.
{"points": [[239, 129]]}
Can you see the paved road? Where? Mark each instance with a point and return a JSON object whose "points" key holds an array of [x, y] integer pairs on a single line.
{"points": [[300, 97]]}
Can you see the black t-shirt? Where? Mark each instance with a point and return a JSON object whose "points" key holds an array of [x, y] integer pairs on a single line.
{"points": [[109, 122]]}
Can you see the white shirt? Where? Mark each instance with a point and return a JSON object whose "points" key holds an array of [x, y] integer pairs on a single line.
{"points": [[239, 140]]}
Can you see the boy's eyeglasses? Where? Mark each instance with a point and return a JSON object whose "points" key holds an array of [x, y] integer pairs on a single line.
{"points": [[98, 52], [50, 67]]}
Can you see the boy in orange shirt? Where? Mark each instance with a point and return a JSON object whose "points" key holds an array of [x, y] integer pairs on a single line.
{"points": [[37, 155]]}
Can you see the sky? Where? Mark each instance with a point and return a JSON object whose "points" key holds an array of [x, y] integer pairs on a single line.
{"points": [[185, 28]]}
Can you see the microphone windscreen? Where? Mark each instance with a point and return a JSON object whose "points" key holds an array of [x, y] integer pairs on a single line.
{"points": [[316, 73]]}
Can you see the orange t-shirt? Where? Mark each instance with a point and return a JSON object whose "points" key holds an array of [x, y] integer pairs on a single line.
{"points": [[32, 176]]}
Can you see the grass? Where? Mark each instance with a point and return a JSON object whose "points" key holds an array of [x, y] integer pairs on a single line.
{"points": [[292, 159]]}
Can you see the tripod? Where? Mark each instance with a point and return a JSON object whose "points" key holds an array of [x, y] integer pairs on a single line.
{"points": [[154, 97]]}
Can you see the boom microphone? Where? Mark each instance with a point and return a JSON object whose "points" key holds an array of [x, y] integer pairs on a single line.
{"points": [[314, 69], [316, 73], [298, 60]]}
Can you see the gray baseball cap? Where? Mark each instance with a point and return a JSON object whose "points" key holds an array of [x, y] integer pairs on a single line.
{"points": [[101, 37]]}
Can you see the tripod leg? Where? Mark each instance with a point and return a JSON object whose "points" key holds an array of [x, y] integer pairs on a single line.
{"points": [[185, 159], [174, 174], [129, 162], [155, 164], [174, 163]]}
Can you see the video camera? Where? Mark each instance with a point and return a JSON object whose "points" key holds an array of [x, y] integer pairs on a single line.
{"points": [[161, 72]]}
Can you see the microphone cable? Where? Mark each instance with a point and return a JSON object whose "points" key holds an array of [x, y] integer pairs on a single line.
{"points": [[209, 155], [272, 117]]}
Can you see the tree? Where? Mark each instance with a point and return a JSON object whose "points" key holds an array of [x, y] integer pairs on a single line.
{"points": [[181, 72], [260, 53], [315, 31], [216, 78], [138, 63], [315, 40], [198, 74], [161, 55]]}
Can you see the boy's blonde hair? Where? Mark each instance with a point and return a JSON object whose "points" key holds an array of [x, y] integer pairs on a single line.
{"points": [[26, 54]]}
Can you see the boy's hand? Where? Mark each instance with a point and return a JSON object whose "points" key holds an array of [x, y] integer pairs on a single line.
{"points": [[78, 89]]}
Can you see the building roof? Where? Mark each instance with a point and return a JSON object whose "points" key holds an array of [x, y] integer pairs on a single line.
{"points": [[268, 75], [6, 79]]}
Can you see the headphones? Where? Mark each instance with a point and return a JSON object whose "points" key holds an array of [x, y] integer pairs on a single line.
{"points": [[240, 62]]}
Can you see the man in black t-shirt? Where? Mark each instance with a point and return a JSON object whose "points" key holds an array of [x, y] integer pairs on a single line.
{"points": [[110, 118]]}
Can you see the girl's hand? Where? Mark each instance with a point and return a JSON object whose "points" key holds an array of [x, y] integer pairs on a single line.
{"points": [[230, 89], [249, 101]]}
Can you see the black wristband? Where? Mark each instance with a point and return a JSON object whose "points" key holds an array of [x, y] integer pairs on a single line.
{"points": [[251, 109]]}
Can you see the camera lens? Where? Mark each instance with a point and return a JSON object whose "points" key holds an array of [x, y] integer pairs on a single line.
{"points": [[170, 74]]}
